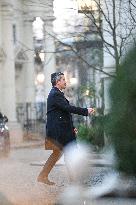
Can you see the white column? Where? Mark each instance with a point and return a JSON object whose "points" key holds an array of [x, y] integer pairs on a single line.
{"points": [[50, 64], [8, 76], [107, 82], [8, 67], [0, 26], [98, 87], [0, 59], [29, 65], [0, 85]]}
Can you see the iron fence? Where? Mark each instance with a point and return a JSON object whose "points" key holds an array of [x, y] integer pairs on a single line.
{"points": [[32, 117]]}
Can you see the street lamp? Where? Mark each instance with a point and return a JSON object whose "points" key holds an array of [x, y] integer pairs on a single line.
{"points": [[73, 81], [87, 92], [40, 78], [40, 98]]}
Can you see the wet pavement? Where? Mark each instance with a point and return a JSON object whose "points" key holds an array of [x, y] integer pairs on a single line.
{"points": [[18, 185]]}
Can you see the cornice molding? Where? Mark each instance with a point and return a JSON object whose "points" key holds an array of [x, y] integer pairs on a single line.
{"points": [[7, 10]]}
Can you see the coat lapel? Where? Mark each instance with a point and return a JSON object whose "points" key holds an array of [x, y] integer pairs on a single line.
{"points": [[61, 93]]}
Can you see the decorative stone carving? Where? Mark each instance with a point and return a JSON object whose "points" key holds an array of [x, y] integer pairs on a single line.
{"points": [[7, 9], [2, 55], [20, 56]]}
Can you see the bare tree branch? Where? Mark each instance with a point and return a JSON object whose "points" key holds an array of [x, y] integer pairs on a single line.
{"points": [[78, 55]]}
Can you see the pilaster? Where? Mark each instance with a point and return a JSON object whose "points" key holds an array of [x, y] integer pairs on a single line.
{"points": [[8, 66], [50, 64], [8, 73], [29, 65]]}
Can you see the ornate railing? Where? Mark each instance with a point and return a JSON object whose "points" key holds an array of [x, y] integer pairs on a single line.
{"points": [[32, 117]]}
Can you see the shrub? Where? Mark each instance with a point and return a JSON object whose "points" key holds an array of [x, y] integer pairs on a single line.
{"points": [[122, 124], [92, 134]]}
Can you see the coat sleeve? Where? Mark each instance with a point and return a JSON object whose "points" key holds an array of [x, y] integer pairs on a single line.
{"points": [[61, 103]]}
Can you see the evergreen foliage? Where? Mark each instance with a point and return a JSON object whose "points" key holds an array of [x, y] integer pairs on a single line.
{"points": [[121, 125], [93, 134]]}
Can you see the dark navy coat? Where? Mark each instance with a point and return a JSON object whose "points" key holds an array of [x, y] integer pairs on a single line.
{"points": [[59, 125]]}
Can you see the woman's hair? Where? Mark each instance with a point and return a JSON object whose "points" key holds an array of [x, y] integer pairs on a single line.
{"points": [[55, 77]]}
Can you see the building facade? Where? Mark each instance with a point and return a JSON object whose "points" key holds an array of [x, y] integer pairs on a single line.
{"points": [[80, 56], [17, 70]]}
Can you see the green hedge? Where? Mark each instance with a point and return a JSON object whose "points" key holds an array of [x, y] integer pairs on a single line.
{"points": [[122, 124], [93, 134]]}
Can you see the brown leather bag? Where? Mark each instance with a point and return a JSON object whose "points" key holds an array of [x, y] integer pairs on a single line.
{"points": [[51, 145], [48, 144]]}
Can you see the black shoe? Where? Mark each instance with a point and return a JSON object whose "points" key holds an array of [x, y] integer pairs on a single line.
{"points": [[45, 181]]}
